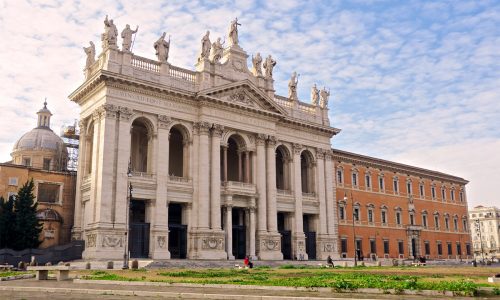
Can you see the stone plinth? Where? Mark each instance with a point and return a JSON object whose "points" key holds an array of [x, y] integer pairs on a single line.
{"points": [[269, 246], [207, 244], [104, 244], [326, 246], [299, 246]]}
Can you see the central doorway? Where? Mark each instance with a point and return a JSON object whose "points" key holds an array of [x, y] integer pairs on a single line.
{"points": [[139, 230], [310, 237], [286, 236], [239, 233], [177, 237]]}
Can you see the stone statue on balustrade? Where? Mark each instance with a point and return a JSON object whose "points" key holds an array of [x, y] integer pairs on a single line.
{"points": [[314, 95], [205, 47], [127, 38], [217, 51], [268, 65], [323, 97], [292, 86], [90, 51], [109, 37], [162, 47], [233, 32], [257, 64]]}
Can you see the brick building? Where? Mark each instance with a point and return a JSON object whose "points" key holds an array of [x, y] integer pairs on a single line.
{"points": [[400, 211]]}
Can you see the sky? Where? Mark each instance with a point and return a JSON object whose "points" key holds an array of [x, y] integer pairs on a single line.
{"points": [[416, 82]]}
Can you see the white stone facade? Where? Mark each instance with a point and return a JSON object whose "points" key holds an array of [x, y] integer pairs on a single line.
{"points": [[485, 232], [238, 166]]}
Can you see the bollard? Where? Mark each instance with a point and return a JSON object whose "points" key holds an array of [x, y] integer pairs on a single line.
{"points": [[21, 265], [88, 266], [135, 264], [109, 265]]}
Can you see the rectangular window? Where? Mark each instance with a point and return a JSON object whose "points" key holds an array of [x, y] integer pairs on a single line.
{"points": [[464, 224], [341, 213], [355, 179], [427, 248], [384, 217], [467, 249], [373, 246], [424, 221], [27, 161], [421, 187], [386, 246], [339, 176], [455, 224], [446, 223], [13, 181], [401, 247], [395, 182], [436, 221], [443, 194], [459, 249], [408, 187], [450, 249], [381, 183], [452, 195], [370, 216], [48, 192], [412, 219], [343, 245], [440, 248], [461, 195], [398, 218], [356, 214], [433, 192], [46, 164], [368, 181]]}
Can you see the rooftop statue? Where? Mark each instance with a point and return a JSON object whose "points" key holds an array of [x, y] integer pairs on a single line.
{"points": [[292, 86], [205, 46], [269, 64], [314, 95], [162, 47], [233, 32], [257, 64], [127, 37], [90, 51], [324, 95], [217, 50], [110, 34]]}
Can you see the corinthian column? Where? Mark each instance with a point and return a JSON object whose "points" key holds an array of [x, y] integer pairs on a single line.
{"points": [[298, 234], [261, 183], [203, 176], [215, 178], [320, 172], [272, 217]]}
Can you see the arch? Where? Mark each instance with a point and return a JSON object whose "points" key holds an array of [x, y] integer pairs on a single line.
{"points": [[178, 144], [146, 120], [242, 139], [141, 139], [236, 154], [306, 171], [283, 168]]}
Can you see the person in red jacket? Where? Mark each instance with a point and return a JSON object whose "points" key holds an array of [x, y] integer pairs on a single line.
{"points": [[247, 262]]}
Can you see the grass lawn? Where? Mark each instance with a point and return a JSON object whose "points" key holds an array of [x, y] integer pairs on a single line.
{"points": [[12, 273], [464, 279]]}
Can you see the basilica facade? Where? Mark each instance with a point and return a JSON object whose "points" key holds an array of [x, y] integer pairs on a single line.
{"points": [[203, 164]]}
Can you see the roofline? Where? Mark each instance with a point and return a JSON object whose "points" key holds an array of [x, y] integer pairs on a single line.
{"points": [[395, 166], [8, 164]]}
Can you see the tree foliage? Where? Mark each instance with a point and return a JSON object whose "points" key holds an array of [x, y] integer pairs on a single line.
{"points": [[7, 222]]}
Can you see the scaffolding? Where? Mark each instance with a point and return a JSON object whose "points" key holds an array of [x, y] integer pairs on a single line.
{"points": [[71, 137]]}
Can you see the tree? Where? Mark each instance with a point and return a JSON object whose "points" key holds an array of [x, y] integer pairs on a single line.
{"points": [[27, 226], [7, 222]]}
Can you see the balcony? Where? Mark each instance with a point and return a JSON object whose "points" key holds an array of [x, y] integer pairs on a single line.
{"points": [[239, 188], [413, 227]]}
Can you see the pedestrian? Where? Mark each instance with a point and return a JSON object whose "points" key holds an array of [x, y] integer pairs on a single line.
{"points": [[329, 261], [247, 262]]}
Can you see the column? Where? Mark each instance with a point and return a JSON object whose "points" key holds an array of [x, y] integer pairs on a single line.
{"points": [[194, 171], [272, 217], [247, 166], [240, 166], [76, 232], [297, 149], [229, 227], [320, 172], [261, 183], [252, 228], [331, 203], [215, 178], [224, 149], [203, 176]]}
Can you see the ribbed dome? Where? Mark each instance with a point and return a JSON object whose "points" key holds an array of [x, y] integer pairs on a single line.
{"points": [[40, 138]]}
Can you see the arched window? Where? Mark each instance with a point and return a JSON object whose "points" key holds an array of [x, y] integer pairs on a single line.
{"points": [[237, 161], [306, 172], [282, 168], [141, 135], [178, 152]]}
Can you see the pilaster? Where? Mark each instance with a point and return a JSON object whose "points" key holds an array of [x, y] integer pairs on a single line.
{"points": [[215, 178], [298, 237]]}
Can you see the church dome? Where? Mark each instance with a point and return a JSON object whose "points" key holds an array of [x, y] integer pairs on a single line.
{"points": [[39, 139]]}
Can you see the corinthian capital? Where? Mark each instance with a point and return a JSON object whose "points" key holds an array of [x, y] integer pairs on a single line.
{"points": [[260, 140], [164, 121], [320, 153], [125, 113], [201, 127], [217, 130], [297, 148], [271, 141]]}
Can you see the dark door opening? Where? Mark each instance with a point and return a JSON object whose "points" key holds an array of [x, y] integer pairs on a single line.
{"points": [[286, 237], [414, 248], [139, 230], [239, 233], [177, 237], [310, 237]]}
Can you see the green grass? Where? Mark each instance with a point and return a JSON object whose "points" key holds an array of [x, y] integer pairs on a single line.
{"points": [[12, 273]]}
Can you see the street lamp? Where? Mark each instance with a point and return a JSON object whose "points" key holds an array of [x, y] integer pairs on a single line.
{"points": [[353, 228], [478, 231], [129, 197]]}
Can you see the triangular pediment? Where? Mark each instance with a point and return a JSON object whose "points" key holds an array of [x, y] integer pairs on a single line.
{"points": [[244, 93]]}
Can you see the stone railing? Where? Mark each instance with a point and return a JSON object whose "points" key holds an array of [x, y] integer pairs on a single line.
{"points": [[239, 187], [309, 195], [284, 192], [307, 108], [181, 73], [174, 178], [145, 64], [283, 101], [145, 175]]}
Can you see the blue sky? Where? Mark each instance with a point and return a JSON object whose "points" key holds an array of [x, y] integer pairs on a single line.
{"points": [[412, 81]]}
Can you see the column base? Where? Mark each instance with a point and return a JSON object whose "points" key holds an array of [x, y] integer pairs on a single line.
{"points": [[102, 244], [326, 245], [269, 246], [159, 245], [299, 246], [76, 234], [207, 244]]}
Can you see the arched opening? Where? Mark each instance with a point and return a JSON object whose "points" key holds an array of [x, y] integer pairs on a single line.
{"points": [[89, 152], [235, 161], [140, 146], [177, 153], [282, 168], [306, 172]]}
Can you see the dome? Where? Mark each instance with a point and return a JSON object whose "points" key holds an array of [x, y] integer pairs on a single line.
{"points": [[40, 139]]}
